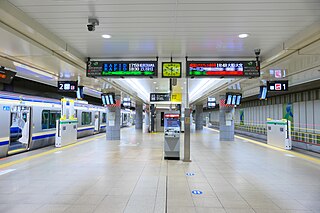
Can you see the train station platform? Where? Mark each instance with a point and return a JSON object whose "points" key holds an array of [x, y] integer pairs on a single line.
{"points": [[130, 175]]}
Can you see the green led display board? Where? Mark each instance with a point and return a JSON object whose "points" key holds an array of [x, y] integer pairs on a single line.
{"points": [[122, 68]]}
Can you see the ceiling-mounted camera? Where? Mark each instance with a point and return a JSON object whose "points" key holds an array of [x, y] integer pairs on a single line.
{"points": [[257, 52], [92, 23]]}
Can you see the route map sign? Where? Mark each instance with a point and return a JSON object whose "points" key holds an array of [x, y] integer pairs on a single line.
{"points": [[223, 69], [122, 68]]}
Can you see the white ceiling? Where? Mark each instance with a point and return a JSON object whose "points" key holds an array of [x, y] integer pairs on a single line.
{"points": [[149, 28], [144, 28]]}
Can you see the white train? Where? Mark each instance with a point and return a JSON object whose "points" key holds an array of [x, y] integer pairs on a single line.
{"points": [[29, 122]]}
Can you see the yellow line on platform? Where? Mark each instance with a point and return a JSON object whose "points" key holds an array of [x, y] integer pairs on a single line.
{"points": [[47, 152], [296, 154]]}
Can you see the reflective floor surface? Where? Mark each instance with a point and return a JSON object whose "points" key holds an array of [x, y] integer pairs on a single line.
{"points": [[131, 176]]}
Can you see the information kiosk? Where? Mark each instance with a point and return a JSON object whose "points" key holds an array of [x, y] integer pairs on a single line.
{"points": [[66, 132], [172, 136]]}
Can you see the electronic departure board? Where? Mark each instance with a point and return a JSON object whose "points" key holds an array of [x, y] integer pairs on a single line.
{"points": [[160, 97], [223, 69], [122, 68]]}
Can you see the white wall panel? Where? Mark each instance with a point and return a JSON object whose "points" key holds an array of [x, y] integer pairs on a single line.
{"points": [[309, 116], [296, 115], [316, 114], [302, 113]]}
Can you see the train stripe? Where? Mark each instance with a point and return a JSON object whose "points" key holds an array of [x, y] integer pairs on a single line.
{"points": [[2, 143], [38, 137]]}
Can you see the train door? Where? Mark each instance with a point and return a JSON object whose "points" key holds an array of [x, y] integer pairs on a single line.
{"points": [[96, 122], [20, 129]]}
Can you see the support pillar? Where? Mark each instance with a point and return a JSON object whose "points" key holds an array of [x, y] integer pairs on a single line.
{"points": [[113, 120], [139, 115], [186, 135], [199, 117], [226, 122], [153, 117]]}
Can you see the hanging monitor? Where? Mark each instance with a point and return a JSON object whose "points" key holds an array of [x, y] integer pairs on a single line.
{"points": [[122, 68], [80, 94], [238, 100], [234, 99], [103, 98], [248, 69], [263, 93], [228, 98], [108, 99]]}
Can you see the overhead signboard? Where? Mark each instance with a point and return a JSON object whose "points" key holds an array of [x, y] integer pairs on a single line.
{"points": [[277, 85], [171, 69], [155, 97], [67, 86], [6, 76], [223, 69], [122, 68]]}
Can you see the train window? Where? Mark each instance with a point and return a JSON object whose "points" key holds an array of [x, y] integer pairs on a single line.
{"points": [[45, 119], [104, 117], [86, 118], [49, 119]]}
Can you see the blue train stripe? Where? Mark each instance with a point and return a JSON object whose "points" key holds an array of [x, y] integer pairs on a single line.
{"points": [[2, 143], [38, 137], [43, 136], [81, 130]]}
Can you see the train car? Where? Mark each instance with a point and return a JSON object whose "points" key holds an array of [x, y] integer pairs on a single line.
{"points": [[28, 122]]}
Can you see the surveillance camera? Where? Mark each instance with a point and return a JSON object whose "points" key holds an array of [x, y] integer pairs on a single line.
{"points": [[91, 27], [92, 24], [257, 52]]}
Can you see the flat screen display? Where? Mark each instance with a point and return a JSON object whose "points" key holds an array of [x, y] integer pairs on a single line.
{"points": [[103, 98], [238, 101], [80, 94], [108, 99], [228, 99], [263, 93], [223, 69], [122, 68], [234, 99], [6, 76]]}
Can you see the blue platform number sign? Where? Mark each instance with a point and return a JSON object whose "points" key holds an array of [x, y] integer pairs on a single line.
{"points": [[196, 192], [6, 108], [189, 174]]}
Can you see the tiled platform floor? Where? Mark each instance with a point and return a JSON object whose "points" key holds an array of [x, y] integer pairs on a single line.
{"points": [[130, 176]]}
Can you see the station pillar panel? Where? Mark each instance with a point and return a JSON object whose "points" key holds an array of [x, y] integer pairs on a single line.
{"points": [[67, 125], [279, 133], [139, 116], [172, 136], [226, 122], [113, 119], [199, 117]]}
